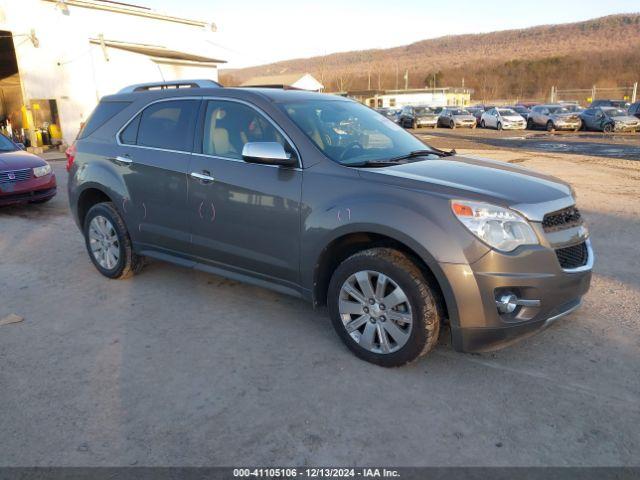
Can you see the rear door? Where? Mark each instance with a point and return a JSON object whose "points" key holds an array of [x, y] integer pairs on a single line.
{"points": [[245, 217], [156, 147]]}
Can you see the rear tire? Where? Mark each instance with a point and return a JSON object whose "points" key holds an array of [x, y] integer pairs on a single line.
{"points": [[550, 126], [530, 125], [608, 128], [409, 327], [108, 243]]}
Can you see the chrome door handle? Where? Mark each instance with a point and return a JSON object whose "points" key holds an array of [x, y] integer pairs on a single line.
{"points": [[202, 176], [123, 160]]}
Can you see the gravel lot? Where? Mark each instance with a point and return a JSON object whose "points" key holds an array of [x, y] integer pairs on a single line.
{"points": [[176, 367]]}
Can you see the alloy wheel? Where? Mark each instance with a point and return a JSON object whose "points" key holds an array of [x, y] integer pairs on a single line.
{"points": [[104, 243], [375, 312]]}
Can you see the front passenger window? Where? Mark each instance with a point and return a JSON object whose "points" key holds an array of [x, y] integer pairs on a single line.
{"points": [[228, 126]]}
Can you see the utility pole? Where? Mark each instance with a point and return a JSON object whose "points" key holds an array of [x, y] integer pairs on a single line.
{"points": [[406, 79], [634, 96], [397, 74], [593, 94]]}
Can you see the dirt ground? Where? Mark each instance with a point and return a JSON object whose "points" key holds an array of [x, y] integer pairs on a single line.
{"points": [[176, 367]]}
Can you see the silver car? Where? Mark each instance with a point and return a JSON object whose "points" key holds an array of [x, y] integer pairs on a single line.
{"points": [[453, 117], [553, 117], [502, 118]]}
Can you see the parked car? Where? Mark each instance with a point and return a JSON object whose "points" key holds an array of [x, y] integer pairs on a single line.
{"points": [[478, 110], [502, 118], [24, 177], [418, 116], [527, 105], [521, 110], [553, 117], [634, 110], [394, 236], [610, 103], [453, 117], [392, 114], [609, 119]]}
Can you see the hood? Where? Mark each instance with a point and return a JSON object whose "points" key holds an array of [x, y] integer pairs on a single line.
{"points": [[477, 179], [426, 115], [19, 159], [566, 116], [464, 117], [625, 119]]}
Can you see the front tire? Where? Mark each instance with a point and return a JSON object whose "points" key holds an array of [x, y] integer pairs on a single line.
{"points": [[108, 242], [482, 124], [550, 126], [530, 125], [608, 128], [499, 126], [383, 308]]}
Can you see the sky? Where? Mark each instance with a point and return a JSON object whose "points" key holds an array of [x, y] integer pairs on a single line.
{"points": [[255, 32]]}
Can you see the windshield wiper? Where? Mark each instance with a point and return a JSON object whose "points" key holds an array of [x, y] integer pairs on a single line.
{"points": [[422, 153], [400, 159]]}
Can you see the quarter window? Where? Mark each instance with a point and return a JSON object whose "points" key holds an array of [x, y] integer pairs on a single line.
{"points": [[168, 125], [228, 126]]}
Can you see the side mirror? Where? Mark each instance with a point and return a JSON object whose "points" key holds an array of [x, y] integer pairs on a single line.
{"points": [[269, 153], [21, 146]]}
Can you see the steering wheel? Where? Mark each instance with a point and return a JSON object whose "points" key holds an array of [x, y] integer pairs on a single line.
{"points": [[349, 148]]}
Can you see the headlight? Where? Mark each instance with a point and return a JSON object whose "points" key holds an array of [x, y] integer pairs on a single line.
{"points": [[42, 171], [498, 227]]}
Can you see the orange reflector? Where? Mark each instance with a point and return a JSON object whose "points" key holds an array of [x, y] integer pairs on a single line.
{"points": [[462, 210]]}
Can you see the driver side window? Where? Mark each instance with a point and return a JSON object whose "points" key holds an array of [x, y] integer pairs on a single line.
{"points": [[228, 126]]}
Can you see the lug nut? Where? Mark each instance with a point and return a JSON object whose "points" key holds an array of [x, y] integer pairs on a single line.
{"points": [[371, 301], [365, 309], [383, 318], [382, 307]]}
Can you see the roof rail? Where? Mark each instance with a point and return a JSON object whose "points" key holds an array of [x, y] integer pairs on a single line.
{"points": [[144, 87]]}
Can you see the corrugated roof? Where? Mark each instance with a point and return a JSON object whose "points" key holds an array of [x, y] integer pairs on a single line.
{"points": [[156, 51], [273, 80]]}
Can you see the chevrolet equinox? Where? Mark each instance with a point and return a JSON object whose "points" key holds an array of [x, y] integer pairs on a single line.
{"points": [[320, 197]]}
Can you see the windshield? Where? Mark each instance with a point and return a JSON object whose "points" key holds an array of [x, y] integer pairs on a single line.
{"points": [[573, 108], [507, 112], [349, 133], [6, 145], [459, 111], [558, 110], [616, 112], [423, 111]]}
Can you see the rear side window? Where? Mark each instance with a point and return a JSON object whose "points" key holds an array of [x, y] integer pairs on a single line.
{"points": [[168, 125], [129, 135], [104, 112]]}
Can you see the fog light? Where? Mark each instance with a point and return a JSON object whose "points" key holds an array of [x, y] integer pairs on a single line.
{"points": [[508, 302]]}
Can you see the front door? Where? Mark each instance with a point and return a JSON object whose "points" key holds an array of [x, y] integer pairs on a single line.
{"points": [[156, 149], [245, 217]]}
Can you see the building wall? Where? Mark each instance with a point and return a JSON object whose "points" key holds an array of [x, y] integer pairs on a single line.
{"points": [[66, 67], [437, 99]]}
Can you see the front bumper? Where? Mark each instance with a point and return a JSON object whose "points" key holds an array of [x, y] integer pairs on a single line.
{"points": [[514, 126], [426, 122], [618, 127], [31, 190], [567, 125], [534, 273], [466, 124]]}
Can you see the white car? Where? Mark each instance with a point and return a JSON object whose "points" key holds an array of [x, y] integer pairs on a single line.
{"points": [[502, 118]]}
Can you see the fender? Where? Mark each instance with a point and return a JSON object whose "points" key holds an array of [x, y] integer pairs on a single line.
{"points": [[102, 176], [403, 218]]}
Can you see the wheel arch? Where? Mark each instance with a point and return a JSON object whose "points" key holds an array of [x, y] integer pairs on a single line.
{"points": [[90, 196], [348, 244]]}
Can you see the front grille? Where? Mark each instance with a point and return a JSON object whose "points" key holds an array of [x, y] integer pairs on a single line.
{"points": [[574, 256], [562, 219], [13, 176]]}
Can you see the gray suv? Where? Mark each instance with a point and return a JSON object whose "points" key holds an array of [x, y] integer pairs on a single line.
{"points": [[320, 197]]}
